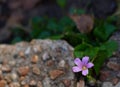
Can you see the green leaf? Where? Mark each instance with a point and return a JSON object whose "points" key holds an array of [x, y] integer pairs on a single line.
{"points": [[86, 50], [37, 19], [61, 3], [66, 25], [52, 25], [75, 38], [79, 50], [67, 21], [72, 38], [16, 39], [112, 19], [92, 52], [82, 47], [78, 54], [80, 11], [44, 35], [99, 60], [106, 50], [104, 31], [38, 25], [110, 47]]}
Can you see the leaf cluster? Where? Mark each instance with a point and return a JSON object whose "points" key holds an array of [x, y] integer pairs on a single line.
{"points": [[96, 44]]}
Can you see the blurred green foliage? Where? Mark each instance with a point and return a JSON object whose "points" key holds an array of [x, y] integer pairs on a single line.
{"points": [[51, 28], [61, 3], [96, 44]]}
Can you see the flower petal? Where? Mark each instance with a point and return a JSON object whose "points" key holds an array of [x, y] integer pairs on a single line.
{"points": [[76, 69], [78, 62], [85, 60], [85, 72], [89, 65]]}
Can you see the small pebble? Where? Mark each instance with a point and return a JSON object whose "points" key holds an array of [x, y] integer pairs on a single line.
{"points": [[14, 76], [2, 83], [26, 85], [21, 78], [33, 83], [37, 48], [36, 70], [23, 70], [55, 74], [23, 82], [62, 63], [8, 78], [34, 59], [12, 63], [45, 56], [27, 51], [6, 68], [50, 63], [39, 84], [66, 82], [21, 54]]}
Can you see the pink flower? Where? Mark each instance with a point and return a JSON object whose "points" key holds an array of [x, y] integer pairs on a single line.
{"points": [[82, 65]]}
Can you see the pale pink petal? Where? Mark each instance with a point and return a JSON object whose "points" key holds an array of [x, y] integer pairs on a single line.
{"points": [[90, 65], [85, 72], [78, 62], [85, 60], [76, 69]]}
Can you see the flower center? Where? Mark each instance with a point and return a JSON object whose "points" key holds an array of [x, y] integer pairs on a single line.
{"points": [[84, 68]]}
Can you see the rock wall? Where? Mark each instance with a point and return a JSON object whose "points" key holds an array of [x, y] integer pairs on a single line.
{"points": [[40, 63]]}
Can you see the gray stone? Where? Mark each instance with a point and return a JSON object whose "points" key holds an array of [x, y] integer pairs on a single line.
{"points": [[118, 85], [107, 84], [118, 75], [42, 63]]}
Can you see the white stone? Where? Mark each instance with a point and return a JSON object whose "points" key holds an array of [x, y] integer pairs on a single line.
{"points": [[62, 63]]}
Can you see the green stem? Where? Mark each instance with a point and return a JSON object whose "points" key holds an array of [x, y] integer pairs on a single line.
{"points": [[94, 59]]}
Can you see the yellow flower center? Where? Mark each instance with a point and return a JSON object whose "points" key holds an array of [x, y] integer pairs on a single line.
{"points": [[84, 68]]}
